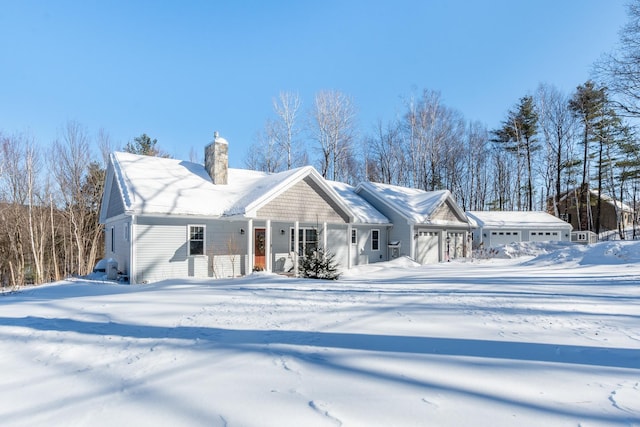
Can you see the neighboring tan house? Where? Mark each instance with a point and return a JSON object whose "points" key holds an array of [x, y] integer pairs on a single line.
{"points": [[495, 228], [428, 226], [614, 213]]}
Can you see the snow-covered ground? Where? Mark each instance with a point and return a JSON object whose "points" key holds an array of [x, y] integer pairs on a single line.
{"points": [[549, 338]]}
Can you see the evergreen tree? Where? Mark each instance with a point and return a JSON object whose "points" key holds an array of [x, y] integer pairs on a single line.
{"points": [[588, 105], [518, 136], [145, 146], [318, 264]]}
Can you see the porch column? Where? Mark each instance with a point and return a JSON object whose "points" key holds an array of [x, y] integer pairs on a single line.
{"points": [[412, 239], [324, 237], [296, 242], [267, 246], [349, 246], [133, 237], [250, 254]]}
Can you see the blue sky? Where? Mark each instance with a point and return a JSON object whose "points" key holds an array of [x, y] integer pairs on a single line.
{"points": [[179, 70]]}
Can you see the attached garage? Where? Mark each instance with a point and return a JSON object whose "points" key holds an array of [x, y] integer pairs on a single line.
{"points": [[428, 247], [428, 226]]}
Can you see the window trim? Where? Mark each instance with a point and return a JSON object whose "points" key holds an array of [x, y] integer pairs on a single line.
{"points": [[189, 239], [302, 242], [375, 241]]}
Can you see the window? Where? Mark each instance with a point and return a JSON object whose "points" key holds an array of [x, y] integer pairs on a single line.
{"points": [[113, 239], [375, 240], [354, 236], [125, 232], [307, 240], [196, 240]]}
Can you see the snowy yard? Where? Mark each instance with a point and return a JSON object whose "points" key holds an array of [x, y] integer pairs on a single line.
{"points": [[552, 340]]}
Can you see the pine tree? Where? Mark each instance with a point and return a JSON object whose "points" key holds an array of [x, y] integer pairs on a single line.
{"points": [[145, 146], [318, 264], [588, 104], [518, 136]]}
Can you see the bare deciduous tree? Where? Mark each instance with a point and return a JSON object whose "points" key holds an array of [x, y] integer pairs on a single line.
{"points": [[79, 189], [286, 130], [334, 130]]}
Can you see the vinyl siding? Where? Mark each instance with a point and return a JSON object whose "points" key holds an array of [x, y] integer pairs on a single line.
{"points": [[362, 252], [121, 245], [401, 230], [161, 249], [116, 207]]}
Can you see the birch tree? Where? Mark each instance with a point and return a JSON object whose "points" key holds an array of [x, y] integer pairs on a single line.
{"points": [[75, 180], [333, 128], [286, 128]]}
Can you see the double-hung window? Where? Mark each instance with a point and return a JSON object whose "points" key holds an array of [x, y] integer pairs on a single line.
{"points": [[196, 240], [375, 240]]}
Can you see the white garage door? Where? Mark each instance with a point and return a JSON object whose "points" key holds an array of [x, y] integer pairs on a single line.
{"points": [[505, 237], [544, 236], [427, 247]]}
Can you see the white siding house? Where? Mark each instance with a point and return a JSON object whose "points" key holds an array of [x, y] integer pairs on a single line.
{"points": [[495, 228], [166, 218]]}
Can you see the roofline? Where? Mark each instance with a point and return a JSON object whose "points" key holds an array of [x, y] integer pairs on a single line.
{"points": [[481, 224], [367, 187], [303, 172]]}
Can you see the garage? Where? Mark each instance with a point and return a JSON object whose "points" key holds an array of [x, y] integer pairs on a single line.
{"points": [[498, 228], [504, 237], [544, 236], [428, 247]]}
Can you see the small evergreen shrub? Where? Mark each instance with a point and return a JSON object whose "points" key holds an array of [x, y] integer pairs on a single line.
{"points": [[318, 264]]}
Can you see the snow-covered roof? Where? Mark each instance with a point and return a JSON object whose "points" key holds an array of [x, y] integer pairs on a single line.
{"points": [[153, 185], [169, 186], [362, 210], [516, 219], [418, 206]]}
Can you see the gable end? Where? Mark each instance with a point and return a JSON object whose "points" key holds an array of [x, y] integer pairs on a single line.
{"points": [[305, 201], [446, 212], [115, 207]]}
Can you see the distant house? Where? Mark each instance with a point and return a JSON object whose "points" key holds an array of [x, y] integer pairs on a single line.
{"points": [[428, 226], [614, 213], [166, 218], [495, 228]]}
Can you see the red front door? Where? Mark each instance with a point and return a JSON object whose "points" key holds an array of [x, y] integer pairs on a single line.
{"points": [[259, 261]]}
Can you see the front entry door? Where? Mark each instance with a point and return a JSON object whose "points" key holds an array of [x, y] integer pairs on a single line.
{"points": [[259, 261]]}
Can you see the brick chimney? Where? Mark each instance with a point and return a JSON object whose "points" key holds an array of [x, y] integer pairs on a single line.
{"points": [[216, 159]]}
